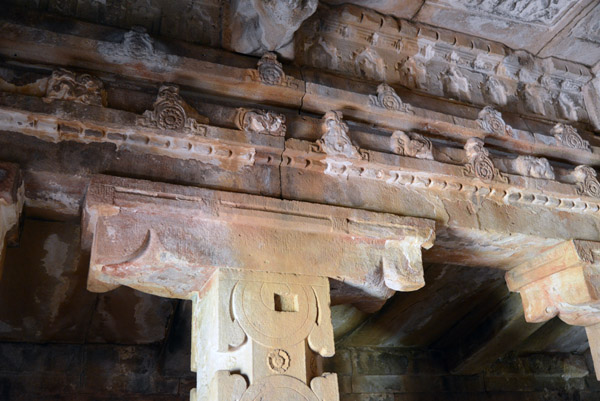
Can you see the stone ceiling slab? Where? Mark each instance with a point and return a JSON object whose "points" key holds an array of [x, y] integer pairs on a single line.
{"points": [[579, 41], [520, 24]]}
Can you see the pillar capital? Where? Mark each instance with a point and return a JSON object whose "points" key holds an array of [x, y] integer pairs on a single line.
{"points": [[11, 205], [261, 273], [563, 281], [168, 240]]}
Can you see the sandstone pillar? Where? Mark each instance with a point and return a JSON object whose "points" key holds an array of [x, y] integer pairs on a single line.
{"points": [[563, 281], [261, 273], [11, 204]]}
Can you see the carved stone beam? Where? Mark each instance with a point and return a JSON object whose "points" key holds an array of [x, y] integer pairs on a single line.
{"points": [[11, 205], [262, 273], [563, 281]]}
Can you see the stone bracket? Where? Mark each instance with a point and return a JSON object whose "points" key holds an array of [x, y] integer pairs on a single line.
{"points": [[563, 281], [168, 240]]}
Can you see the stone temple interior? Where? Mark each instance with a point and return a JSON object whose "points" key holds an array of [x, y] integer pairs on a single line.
{"points": [[234, 200]]}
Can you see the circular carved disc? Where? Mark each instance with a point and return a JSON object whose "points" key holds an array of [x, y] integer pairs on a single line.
{"points": [[275, 315]]}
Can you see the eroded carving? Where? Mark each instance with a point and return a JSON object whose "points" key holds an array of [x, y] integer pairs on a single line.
{"points": [[455, 84], [170, 112], [256, 26], [544, 12], [387, 98], [568, 137], [537, 167], [480, 164], [587, 183], [490, 120], [412, 73], [335, 140], [261, 122], [494, 91], [137, 43], [80, 88], [412, 145], [370, 65]]}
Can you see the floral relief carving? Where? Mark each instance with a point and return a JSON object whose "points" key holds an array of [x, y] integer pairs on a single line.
{"points": [[568, 137], [491, 121], [387, 98], [269, 71], [479, 163], [278, 361], [261, 122], [80, 88], [335, 140], [170, 112], [587, 183], [537, 167], [412, 145]]}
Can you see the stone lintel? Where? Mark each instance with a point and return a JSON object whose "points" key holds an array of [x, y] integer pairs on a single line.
{"points": [[168, 240], [11, 205], [563, 281]]}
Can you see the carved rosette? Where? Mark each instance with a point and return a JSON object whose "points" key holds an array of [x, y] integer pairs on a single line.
{"points": [[490, 120], [170, 112], [387, 98], [412, 145], [261, 122], [335, 140], [80, 88], [480, 164], [269, 71], [587, 183], [568, 137]]}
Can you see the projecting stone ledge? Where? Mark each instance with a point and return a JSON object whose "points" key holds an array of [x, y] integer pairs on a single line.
{"points": [[563, 281], [11, 205], [168, 240], [257, 271]]}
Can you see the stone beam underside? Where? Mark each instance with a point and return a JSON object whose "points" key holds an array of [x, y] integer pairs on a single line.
{"points": [[259, 272]]}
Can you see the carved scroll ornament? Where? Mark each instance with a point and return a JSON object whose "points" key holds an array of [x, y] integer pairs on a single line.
{"points": [[261, 122], [479, 163], [490, 120], [412, 145], [587, 183], [387, 98], [170, 112], [568, 137], [80, 88], [335, 140]]}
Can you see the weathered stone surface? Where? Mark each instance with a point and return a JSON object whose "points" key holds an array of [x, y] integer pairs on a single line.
{"points": [[562, 282], [256, 26], [11, 205], [372, 253]]}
